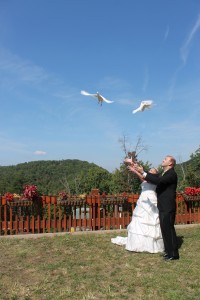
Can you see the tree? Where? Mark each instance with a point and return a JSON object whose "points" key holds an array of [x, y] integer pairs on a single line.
{"points": [[193, 172], [123, 180], [127, 148], [95, 178]]}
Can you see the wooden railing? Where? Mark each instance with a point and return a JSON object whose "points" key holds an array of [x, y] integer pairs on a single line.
{"points": [[92, 212]]}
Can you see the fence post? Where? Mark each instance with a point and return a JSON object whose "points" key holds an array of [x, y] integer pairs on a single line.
{"points": [[95, 196]]}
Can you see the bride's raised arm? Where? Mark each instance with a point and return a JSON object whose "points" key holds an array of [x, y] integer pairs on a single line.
{"points": [[134, 169]]}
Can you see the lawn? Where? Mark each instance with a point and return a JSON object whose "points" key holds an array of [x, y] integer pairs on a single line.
{"points": [[88, 266]]}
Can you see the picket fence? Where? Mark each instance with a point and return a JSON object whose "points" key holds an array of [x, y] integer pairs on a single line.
{"points": [[81, 213]]}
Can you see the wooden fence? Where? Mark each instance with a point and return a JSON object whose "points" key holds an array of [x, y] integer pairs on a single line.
{"points": [[91, 212]]}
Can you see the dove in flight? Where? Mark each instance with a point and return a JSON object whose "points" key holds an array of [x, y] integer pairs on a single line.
{"points": [[100, 98], [143, 105]]}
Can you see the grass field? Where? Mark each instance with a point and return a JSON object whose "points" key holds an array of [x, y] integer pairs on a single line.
{"points": [[89, 266]]}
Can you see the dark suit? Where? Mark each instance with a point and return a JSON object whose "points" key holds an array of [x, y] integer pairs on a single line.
{"points": [[166, 194]]}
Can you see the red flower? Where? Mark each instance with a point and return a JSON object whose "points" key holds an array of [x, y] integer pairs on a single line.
{"points": [[30, 191], [192, 191], [9, 196]]}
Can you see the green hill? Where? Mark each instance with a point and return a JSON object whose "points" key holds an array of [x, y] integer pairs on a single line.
{"points": [[53, 176], [189, 171], [76, 176]]}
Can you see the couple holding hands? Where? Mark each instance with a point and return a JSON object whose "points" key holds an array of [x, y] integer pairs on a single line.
{"points": [[152, 226]]}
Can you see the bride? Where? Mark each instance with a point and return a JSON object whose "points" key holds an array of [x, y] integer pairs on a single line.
{"points": [[144, 233]]}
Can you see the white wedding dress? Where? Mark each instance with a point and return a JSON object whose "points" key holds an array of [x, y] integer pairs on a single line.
{"points": [[144, 233]]}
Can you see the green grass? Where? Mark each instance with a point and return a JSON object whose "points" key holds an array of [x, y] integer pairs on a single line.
{"points": [[89, 266]]}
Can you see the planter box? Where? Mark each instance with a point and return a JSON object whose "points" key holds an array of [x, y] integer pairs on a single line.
{"points": [[113, 200], [71, 201], [19, 202], [191, 198]]}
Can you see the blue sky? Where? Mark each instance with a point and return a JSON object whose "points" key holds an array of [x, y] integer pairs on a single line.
{"points": [[129, 51]]}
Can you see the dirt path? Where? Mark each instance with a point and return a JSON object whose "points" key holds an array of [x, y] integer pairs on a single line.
{"points": [[40, 235]]}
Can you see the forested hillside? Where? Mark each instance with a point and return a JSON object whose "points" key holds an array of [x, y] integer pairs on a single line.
{"points": [[53, 176], [189, 171], [76, 176], [72, 176]]}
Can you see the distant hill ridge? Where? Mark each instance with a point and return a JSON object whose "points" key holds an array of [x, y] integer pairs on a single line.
{"points": [[48, 175], [77, 176]]}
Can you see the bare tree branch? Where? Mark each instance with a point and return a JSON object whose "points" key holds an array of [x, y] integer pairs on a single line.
{"points": [[182, 167], [123, 141], [65, 183], [139, 147], [77, 184]]}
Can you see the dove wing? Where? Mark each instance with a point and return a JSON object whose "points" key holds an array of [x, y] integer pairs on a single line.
{"points": [[106, 100], [143, 105], [100, 97], [87, 94], [146, 104], [140, 108], [135, 110]]}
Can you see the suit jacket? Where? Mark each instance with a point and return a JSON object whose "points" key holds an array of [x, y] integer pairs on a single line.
{"points": [[166, 189]]}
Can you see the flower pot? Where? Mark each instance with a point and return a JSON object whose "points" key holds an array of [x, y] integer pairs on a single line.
{"points": [[20, 202], [191, 197]]}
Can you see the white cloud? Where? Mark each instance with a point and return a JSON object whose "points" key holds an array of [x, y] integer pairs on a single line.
{"points": [[113, 83], [40, 152], [187, 44], [166, 33], [25, 70], [184, 55], [146, 79]]}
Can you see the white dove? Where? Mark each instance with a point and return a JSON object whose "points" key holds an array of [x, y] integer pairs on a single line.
{"points": [[143, 105], [100, 98]]}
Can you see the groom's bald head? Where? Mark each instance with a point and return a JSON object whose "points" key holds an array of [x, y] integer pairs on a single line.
{"points": [[172, 159], [168, 162]]}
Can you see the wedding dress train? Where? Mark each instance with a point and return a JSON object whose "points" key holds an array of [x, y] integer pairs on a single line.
{"points": [[144, 233]]}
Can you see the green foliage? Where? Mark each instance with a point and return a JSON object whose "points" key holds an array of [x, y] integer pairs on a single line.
{"points": [[77, 177], [193, 175], [72, 176], [125, 181], [189, 172], [54, 176], [95, 178]]}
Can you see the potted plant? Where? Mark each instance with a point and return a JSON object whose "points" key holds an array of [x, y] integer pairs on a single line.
{"points": [[62, 197], [8, 197], [30, 192], [191, 193]]}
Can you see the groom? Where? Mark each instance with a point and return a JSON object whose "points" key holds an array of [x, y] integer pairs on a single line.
{"points": [[166, 194]]}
